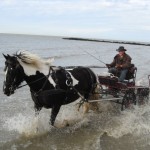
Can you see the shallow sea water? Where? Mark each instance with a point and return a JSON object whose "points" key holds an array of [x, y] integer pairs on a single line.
{"points": [[110, 129]]}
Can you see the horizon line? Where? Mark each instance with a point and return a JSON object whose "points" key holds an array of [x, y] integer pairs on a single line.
{"points": [[86, 39]]}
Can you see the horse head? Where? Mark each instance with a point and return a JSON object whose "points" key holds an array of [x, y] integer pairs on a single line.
{"points": [[25, 66], [13, 74]]}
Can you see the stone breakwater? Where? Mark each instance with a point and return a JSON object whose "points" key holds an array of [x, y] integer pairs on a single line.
{"points": [[108, 41]]}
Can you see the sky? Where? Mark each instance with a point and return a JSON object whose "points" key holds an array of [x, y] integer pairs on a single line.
{"points": [[127, 20]]}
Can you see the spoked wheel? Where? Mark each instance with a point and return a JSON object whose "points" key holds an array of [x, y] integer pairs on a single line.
{"points": [[129, 99], [143, 95], [113, 91]]}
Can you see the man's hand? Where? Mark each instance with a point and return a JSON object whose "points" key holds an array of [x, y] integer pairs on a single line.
{"points": [[118, 66], [108, 65]]}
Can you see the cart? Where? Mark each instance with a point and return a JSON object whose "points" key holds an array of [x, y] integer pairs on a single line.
{"points": [[125, 93]]}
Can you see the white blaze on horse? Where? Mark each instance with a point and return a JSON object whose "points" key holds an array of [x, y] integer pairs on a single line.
{"points": [[50, 87]]}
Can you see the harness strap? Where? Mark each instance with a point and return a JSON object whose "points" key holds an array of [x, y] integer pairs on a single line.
{"points": [[30, 83], [93, 85], [79, 94], [50, 68], [37, 80], [69, 83], [56, 79]]}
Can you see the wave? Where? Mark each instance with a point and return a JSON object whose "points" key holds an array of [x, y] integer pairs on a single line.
{"points": [[109, 122], [64, 56]]}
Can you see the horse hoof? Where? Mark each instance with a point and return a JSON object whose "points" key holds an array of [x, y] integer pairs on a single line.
{"points": [[65, 123]]}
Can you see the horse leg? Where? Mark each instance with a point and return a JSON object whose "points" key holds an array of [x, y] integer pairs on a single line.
{"points": [[54, 113], [37, 111], [86, 107], [94, 105]]}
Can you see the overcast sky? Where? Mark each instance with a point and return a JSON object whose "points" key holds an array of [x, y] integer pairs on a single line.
{"points": [[103, 19]]}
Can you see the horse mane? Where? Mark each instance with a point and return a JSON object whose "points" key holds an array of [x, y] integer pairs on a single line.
{"points": [[31, 59]]}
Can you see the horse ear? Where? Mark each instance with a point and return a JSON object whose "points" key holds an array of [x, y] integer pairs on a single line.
{"points": [[6, 57]]}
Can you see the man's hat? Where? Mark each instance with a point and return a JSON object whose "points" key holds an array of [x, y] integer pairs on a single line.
{"points": [[121, 48]]}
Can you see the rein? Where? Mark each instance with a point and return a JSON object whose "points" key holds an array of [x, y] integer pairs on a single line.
{"points": [[37, 80], [50, 68], [68, 83], [29, 83]]}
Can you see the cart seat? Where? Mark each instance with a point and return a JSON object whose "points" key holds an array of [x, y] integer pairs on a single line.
{"points": [[112, 81], [131, 74]]}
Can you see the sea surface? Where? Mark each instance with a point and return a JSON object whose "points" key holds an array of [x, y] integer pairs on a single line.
{"points": [[110, 129]]}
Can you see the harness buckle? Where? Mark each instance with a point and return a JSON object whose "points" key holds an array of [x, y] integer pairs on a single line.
{"points": [[68, 82]]}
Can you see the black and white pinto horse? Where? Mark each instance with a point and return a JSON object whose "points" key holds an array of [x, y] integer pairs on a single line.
{"points": [[50, 87]]}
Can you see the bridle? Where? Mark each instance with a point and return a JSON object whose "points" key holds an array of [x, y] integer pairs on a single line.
{"points": [[5, 84], [13, 87]]}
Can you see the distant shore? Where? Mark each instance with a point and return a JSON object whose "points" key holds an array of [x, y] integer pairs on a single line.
{"points": [[108, 41]]}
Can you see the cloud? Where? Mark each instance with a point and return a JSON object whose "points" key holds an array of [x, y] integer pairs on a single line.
{"points": [[89, 30], [108, 8], [77, 17], [61, 6], [146, 27], [139, 2], [8, 2]]}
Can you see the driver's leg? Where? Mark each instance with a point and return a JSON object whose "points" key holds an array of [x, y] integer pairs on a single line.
{"points": [[113, 70], [122, 75]]}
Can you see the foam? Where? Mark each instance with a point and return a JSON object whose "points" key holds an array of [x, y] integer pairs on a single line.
{"points": [[135, 122], [27, 125]]}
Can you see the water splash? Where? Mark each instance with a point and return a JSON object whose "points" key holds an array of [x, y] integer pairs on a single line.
{"points": [[27, 125], [135, 122]]}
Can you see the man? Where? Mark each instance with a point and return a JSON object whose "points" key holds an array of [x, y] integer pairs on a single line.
{"points": [[120, 64]]}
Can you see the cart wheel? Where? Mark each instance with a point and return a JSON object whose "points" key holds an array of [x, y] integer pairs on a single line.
{"points": [[143, 95], [100, 90], [128, 99]]}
